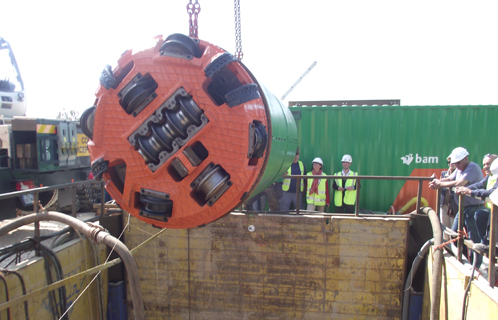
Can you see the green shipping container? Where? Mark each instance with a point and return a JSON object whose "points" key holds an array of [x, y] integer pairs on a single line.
{"points": [[393, 141]]}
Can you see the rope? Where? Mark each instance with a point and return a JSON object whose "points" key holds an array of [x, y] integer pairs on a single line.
{"points": [[109, 256], [461, 235], [98, 274]]}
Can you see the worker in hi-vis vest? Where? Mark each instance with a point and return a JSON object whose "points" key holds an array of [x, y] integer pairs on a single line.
{"points": [[345, 189], [317, 190], [289, 185], [483, 190]]}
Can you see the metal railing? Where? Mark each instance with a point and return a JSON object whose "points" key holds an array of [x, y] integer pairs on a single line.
{"points": [[461, 242], [72, 186], [358, 186], [36, 198]]}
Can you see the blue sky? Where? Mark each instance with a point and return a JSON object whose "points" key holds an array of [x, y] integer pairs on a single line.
{"points": [[422, 52]]}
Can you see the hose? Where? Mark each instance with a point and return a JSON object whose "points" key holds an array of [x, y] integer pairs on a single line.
{"points": [[466, 295], [100, 289], [52, 259], [54, 199], [97, 236], [51, 294], [413, 270], [436, 267], [86, 268], [6, 292], [99, 278], [23, 287], [411, 203]]}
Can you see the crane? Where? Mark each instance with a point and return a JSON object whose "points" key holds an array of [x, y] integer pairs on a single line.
{"points": [[298, 80]]}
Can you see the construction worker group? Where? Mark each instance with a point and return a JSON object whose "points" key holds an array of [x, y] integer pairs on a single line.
{"points": [[466, 179], [317, 189]]}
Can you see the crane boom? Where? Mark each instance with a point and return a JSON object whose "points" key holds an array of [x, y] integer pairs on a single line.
{"points": [[298, 80]]}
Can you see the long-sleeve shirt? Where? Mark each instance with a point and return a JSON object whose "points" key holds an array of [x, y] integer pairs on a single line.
{"points": [[478, 189]]}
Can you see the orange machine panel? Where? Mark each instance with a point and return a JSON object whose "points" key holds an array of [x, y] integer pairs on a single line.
{"points": [[178, 132]]}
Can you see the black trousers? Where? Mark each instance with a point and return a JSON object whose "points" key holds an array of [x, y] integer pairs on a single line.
{"points": [[345, 208]]}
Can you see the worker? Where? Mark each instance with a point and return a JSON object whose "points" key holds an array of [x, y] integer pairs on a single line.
{"points": [[466, 174], [482, 190], [345, 189], [317, 191], [449, 207], [256, 203], [289, 189]]}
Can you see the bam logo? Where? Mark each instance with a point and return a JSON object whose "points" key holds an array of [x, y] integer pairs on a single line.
{"points": [[407, 159], [418, 159]]}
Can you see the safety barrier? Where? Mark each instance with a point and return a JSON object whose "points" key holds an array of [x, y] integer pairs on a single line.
{"points": [[36, 191], [36, 202], [461, 241], [358, 186]]}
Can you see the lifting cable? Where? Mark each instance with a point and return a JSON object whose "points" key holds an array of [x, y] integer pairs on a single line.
{"points": [[193, 9], [238, 36]]}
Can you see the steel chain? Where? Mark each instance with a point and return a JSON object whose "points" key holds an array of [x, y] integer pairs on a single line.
{"points": [[238, 36], [193, 9]]}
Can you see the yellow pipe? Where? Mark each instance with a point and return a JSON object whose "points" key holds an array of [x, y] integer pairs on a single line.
{"points": [[410, 203]]}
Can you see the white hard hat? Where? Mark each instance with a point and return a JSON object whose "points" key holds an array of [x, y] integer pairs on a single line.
{"points": [[494, 197], [458, 154], [494, 171], [318, 160], [347, 158], [494, 168]]}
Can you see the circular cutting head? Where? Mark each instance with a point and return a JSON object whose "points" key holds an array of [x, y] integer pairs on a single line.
{"points": [[184, 137]]}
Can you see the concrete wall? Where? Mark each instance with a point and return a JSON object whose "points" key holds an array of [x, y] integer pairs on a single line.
{"points": [[482, 303], [299, 267]]}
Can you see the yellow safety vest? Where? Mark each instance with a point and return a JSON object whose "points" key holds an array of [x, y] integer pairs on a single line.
{"points": [[350, 196], [287, 181], [491, 183], [319, 199]]}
